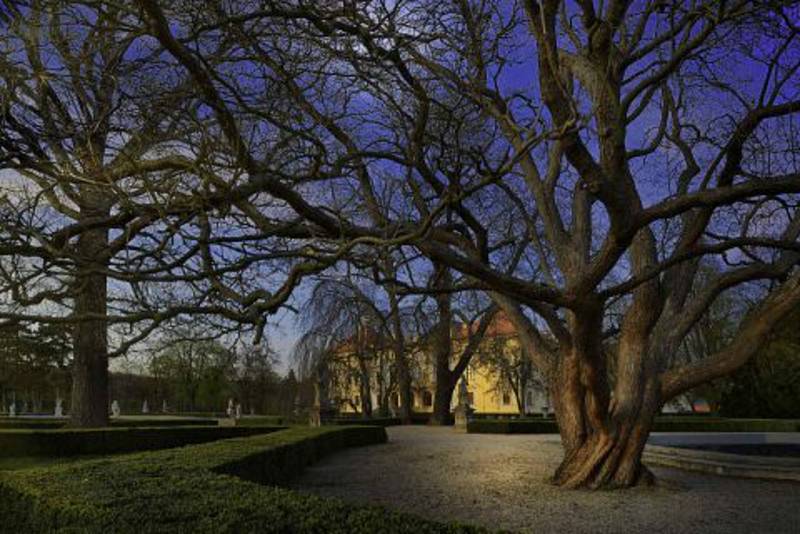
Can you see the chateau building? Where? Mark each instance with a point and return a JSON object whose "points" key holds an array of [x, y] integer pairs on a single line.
{"points": [[499, 379]]}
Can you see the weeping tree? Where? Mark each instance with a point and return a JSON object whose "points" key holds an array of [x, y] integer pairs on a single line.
{"points": [[579, 162], [350, 323]]}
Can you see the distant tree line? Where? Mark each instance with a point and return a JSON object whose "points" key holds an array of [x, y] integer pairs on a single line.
{"points": [[34, 366], [768, 385], [182, 376]]}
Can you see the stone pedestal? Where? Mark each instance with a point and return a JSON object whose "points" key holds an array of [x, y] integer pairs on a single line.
{"points": [[463, 410], [461, 417], [322, 411], [319, 416]]}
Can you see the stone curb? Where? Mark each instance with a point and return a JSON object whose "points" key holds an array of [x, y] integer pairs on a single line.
{"points": [[724, 464]]}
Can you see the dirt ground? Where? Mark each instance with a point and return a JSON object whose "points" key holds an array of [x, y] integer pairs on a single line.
{"points": [[499, 481]]}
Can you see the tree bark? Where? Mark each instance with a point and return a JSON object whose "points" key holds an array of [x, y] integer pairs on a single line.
{"points": [[406, 408], [443, 397], [603, 439], [89, 407], [609, 457], [604, 452], [365, 389], [442, 350]]}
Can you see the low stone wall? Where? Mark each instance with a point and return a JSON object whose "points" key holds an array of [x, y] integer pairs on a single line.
{"points": [[667, 450]]}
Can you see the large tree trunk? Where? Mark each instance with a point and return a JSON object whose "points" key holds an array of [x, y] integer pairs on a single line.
{"points": [[442, 399], [383, 389], [406, 408], [603, 439], [520, 392], [443, 351], [604, 452], [608, 457], [89, 407], [365, 389]]}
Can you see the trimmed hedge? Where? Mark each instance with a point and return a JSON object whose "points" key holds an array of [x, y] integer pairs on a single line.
{"points": [[160, 421], [375, 421], [30, 423], [223, 415], [514, 416], [712, 424], [72, 442], [511, 426], [259, 420], [356, 419], [202, 488], [662, 424]]}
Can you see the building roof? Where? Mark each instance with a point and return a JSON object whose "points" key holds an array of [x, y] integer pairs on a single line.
{"points": [[500, 326], [369, 338]]}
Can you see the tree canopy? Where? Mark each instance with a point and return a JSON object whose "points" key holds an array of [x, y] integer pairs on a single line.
{"points": [[585, 165]]}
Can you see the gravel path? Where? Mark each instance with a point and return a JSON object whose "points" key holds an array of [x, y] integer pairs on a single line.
{"points": [[499, 481]]}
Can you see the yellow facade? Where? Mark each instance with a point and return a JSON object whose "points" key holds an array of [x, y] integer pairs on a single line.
{"points": [[487, 393]]}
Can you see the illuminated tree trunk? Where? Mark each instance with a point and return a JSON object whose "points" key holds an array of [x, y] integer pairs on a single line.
{"points": [[602, 449], [89, 407], [604, 437]]}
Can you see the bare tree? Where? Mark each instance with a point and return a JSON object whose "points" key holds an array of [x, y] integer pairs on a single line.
{"points": [[85, 145], [110, 219], [511, 368], [449, 359], [564, 157], [358, 323]]}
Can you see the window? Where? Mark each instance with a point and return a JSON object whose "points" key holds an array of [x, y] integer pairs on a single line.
{"points": [[427, 398], [506, 399]]}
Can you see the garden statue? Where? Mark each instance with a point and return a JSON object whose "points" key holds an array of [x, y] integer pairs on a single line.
{"points": [[230, 409], [145, 407], [115, 411], [12, 409], [59, 411], [323, 409], [462, 410], [238, 411], [164, 408]]}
